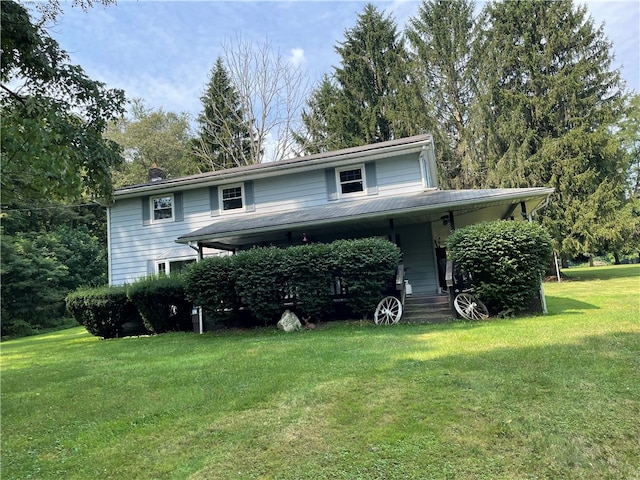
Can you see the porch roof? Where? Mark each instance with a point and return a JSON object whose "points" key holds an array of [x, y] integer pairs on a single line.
{"points": [[428, 206]]}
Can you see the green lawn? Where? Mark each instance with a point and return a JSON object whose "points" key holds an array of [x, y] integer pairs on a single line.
{"points": [[554, 396]]}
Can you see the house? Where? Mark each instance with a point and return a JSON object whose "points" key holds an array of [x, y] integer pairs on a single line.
{"points": [[387, 189]]}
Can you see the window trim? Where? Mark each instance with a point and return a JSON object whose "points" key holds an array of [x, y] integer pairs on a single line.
{"points": [[363, 175], [166, 264], [221, 190], [152, 210]]}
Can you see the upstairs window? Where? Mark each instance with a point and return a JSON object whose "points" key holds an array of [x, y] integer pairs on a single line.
{"points": [[351, 180], [162, 208], [232, 198]]}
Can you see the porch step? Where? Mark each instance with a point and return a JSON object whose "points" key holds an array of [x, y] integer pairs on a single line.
{"points": [[427, 308]]}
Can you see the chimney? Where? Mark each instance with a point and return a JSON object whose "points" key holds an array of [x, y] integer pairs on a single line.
{"points": [[156, 174]]}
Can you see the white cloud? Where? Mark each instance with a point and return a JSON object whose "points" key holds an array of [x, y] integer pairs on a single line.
{"points": [[297, 56]]}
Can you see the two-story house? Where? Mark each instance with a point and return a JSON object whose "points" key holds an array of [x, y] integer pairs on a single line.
{"points": [[386, 189]]}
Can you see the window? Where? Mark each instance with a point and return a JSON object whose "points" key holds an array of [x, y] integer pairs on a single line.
{"points": [[232, 198], [168, 267], [351, 180], [162, 208]]}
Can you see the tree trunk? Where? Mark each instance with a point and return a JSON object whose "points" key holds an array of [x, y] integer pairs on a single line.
{"points": [[616, 258]]}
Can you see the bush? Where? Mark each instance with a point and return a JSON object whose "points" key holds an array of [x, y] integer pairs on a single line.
{"points": [[308, 270], [263, 279], [367, 268], [162, 302], [261, 282], [506, 261], [210, 284], [103, 311]]}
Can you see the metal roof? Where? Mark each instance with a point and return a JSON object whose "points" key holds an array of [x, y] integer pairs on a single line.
{"points": [[368, 208]]}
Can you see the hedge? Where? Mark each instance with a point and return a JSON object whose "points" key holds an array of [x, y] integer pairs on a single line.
{"points": [[103, 311], [210, 284], [264, 279], [367, 269], [162, 303], [506, 261]]}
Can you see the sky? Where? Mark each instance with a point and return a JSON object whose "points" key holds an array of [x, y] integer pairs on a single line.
{"points": [[163, 51]]}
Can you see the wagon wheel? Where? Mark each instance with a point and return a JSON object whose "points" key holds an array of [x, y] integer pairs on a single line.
{"points": [[470, 307], [388, 311]]}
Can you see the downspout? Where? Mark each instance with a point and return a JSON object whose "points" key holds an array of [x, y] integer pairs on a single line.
{"points": [[109, 266]]}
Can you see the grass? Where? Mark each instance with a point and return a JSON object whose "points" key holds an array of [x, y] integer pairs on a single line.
{"points": [[555, 396]]}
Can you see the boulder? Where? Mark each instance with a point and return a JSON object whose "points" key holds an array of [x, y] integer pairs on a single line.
{"points": [[289, 322]]}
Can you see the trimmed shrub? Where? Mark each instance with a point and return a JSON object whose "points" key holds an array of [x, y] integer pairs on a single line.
{"points": [[162, 302], [210, 284], [367, 268], [103, 311], [261, 283], [506, 261], [308, 271]]}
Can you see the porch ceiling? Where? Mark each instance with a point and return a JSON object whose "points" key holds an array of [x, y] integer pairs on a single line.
{"points": [[352, 217]]}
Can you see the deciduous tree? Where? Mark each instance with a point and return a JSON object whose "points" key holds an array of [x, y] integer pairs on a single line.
{"points": [[53, 118], [151, 137]]}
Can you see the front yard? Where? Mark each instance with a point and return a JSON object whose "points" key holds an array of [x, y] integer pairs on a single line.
{"points": [[554, 396]]}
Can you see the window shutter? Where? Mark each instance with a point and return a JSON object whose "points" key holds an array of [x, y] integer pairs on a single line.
{"points": [[330, 179], [151, 267], [248, 197], [214, 201], [371, 177], [178, 207], [146, 211]]}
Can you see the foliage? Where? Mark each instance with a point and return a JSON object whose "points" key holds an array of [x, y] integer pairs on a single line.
{"points": [[505, 259], [263, 279], [374, 99], [151, 138], [53, 118], [365, 267], [261, 282], [629, 136], [103, 310], [162, 303], [224, 137], [549, 96], [442, 35], [210, 284], [308, 270], [40, 268]]}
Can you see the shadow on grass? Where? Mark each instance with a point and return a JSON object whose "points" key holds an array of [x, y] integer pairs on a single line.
{"points": [[565, 305], [609, 272]]}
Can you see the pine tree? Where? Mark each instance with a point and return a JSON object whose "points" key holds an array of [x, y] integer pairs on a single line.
{"points": [[442, 35], [224, 138], [549, 97], [370, 97], [319, 134]]}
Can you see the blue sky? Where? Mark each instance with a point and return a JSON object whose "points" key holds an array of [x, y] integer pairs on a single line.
{"points": [[163, 51]]}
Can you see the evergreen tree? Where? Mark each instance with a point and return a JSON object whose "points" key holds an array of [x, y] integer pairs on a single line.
{"points": [[442, 35], [372, 98], [548, 98], [319, 133], [224, 138]]}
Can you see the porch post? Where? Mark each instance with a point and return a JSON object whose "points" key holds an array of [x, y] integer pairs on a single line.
{"points": [[392, 232], [452, 221]]}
